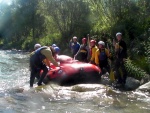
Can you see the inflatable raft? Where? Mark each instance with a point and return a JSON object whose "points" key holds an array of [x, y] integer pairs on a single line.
{"points": [[73, 72]]}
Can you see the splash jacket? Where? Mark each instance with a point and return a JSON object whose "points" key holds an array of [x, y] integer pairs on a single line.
{"points": [[92, 52], [101, 59], [101, 55]]}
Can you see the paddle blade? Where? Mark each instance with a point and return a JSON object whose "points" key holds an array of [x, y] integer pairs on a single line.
{"points": [[112, 76]]}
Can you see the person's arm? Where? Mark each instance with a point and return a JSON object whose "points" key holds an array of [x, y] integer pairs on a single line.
{"points": [[49, 56], [48, 63], [88, 52], [107, 53], [78, 51]]}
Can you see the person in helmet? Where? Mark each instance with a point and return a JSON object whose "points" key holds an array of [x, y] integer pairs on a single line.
{"points": [[36, 46], [93, 49], [54, 45], [82, 54], [74, 45], [121, 55], [101, 57], [57, 50], [36, 63]]}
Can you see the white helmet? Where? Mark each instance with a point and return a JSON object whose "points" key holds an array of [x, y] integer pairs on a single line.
{"points": [[54, 45], [36, 46], [74, 37], [101, 43], [118, 33]]}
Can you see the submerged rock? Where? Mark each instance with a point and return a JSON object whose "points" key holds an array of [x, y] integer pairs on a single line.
{"points": [[87, 87]]}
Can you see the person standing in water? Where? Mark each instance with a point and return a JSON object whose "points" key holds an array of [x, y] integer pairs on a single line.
{"points": [[37, 74], [36, 63]]}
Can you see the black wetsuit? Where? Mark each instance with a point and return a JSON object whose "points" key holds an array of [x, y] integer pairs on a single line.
{"points": [[83, 53], [36, 65], [119, 63]]}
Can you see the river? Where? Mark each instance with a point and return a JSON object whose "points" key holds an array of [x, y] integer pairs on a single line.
{"points": [[17, 97]]}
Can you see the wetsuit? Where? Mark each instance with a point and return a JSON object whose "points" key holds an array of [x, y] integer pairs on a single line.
{"points": [[121, 53], [36, 63]]}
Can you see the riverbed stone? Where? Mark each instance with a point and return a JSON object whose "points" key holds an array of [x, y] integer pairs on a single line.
{"points": [[145, 87], [132, 83]]}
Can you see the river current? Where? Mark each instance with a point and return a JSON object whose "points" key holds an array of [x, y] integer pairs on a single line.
{"points": [[17, 97]]}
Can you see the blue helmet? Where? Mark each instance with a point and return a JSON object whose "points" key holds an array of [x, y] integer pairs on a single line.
{"points": [[57, 49]]}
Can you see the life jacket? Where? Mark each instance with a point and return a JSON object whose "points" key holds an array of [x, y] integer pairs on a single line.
{"points": [[83, 48], [38, 54], [102, 55]]}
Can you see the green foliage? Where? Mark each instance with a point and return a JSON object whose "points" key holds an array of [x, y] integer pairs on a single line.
{"points": [[26, 22], [134, 70], [147, 52], [49, 39], [70, 17]]}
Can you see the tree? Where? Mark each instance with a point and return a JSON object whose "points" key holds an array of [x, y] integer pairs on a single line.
{"points": [[70, 17]]}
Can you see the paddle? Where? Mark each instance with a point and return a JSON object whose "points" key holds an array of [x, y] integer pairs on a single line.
{"points": [[111, 74]]}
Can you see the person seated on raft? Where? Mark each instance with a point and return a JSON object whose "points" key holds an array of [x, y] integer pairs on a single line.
{"points": [[93, 49], [36, 62], [101, 57], [82, 54]]}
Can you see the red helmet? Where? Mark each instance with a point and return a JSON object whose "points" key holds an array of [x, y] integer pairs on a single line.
{"points": [[84, 40], [92, 41]]}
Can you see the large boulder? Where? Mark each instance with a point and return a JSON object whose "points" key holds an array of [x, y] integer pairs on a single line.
{"points": [[132, 83]]}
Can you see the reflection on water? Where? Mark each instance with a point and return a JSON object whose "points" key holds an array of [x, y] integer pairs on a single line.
{"points": [[17, 97]]}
